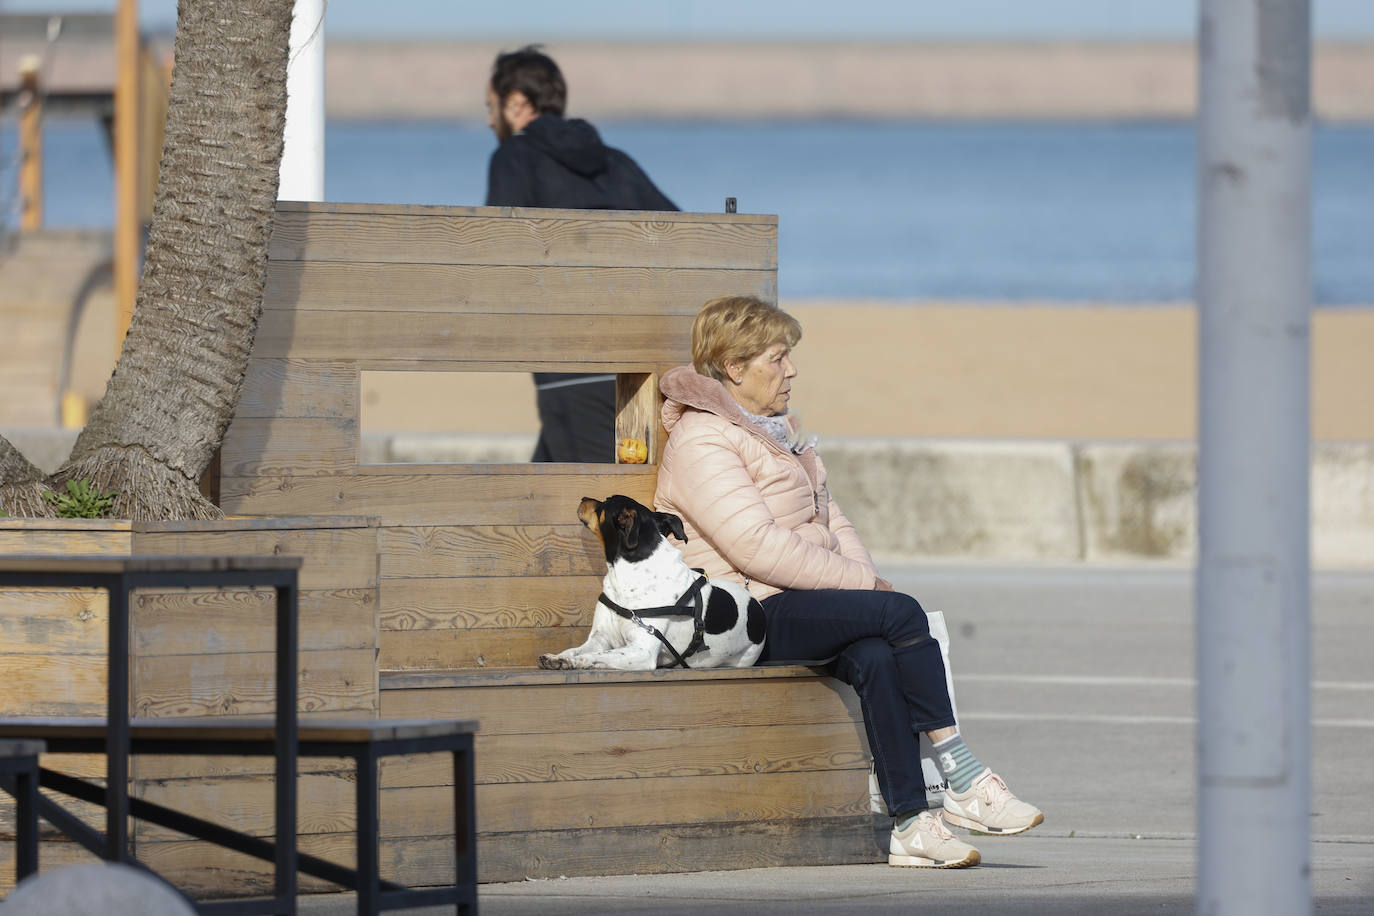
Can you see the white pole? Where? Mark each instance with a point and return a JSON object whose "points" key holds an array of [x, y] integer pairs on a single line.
{"points": [[1255, 298], [302, 159]]}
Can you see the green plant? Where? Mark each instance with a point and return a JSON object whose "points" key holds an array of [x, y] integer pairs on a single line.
{"points": [[81, 500]]}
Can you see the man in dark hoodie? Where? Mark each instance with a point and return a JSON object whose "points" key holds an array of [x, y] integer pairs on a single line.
{"points": [[546, 161]]}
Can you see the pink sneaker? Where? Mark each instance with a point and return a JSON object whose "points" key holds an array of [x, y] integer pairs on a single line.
{"points": [[927, 843], [989, 807]]}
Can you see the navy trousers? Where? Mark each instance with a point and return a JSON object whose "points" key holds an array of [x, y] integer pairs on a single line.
{"points": [[576, 421], [880, 644]]}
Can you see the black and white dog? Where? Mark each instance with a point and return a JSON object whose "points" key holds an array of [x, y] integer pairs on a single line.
{"points": [[654, 609]]}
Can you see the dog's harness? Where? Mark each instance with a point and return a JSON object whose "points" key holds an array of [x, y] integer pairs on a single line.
{"points": [[693, 597]]}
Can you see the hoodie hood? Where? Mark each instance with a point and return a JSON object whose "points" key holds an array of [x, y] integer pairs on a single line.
{"points": [[573, 144]]}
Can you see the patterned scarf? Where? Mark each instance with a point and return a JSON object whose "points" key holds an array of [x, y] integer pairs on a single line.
{"points": [[778, 430]]}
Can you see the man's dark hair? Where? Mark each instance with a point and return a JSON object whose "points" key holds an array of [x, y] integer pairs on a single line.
{"points": [[534, 74]]}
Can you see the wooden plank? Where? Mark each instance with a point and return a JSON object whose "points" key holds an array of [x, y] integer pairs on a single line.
{"points": [[459, 498], [313, 388], [325, 803], [454, 604], [205, 870], [631, 705], [200, 766], [478, 648], [559, 240], [662, 752], [244, 523], [55, 852], [336, 208], [428, 811], [119, 565], [290, 446], [446, 336], [83, 766], [491, 550], [90, 814], [845, 840], [365, 285], [54, 621], [52, 685], [334, 557], [217, 621], [14, 540], [537, 677], [66, 525], [336, 680]]}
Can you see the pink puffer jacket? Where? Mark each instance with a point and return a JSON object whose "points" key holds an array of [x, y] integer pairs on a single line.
{"points": [[754, 512]]}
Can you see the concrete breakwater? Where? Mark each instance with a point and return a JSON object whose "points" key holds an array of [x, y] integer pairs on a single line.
{"points": [[889, 79]]}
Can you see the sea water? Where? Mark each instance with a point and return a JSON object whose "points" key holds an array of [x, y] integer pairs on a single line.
{"points": [[1074, 212]]}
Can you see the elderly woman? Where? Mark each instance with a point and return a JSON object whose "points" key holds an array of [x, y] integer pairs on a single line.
{"points": [[755, 507]]}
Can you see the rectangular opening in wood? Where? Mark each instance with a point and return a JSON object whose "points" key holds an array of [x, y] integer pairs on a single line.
{"points": [[481, 417]]}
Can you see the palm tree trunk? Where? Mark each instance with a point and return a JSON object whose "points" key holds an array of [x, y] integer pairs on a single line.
{"points": [[21, 484], [179, 375]]}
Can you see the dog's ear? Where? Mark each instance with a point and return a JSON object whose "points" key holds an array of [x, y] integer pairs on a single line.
{"points": [[629, 532], [586, 511], [668, 523]]}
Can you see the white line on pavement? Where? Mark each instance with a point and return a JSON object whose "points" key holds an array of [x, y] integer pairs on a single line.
{"points": [[1088, 680], [1097, 719]]}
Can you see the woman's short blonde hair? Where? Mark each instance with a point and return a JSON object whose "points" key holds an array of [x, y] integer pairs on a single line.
{"points": [[737, 329]]}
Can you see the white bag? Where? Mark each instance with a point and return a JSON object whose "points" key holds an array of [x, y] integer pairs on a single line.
{"points": [[936, 784]]}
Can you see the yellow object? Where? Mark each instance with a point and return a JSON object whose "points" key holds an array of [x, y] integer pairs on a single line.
{"points": [[74, 411], [631, 451]]}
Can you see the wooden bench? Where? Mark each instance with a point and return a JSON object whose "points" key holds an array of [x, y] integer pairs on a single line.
{"points": [[484, 567], [19, 777], [365, 741]]}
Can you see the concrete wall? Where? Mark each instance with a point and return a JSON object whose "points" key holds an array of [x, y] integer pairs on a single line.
{"points": [[1070, 502], [1009, 501], [1021, 500], [943, 79]]}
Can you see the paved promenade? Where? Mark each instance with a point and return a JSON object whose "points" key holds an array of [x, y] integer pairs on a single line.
{"points": [[1061, 671]]}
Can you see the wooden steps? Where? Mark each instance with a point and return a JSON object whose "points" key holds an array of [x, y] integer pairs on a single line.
{"points": [[482, 567], [602, 772]]}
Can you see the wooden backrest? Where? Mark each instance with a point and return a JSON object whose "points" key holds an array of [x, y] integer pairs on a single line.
{"points": [[481, 565]]}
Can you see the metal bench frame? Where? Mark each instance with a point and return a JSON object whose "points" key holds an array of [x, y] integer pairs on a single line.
{"points": [[366, 741], [282, 737], [19, 777]]}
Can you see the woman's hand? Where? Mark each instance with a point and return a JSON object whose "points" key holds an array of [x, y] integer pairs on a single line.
{"points": [[882, 585]]}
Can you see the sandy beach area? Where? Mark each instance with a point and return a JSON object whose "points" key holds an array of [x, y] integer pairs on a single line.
{"points": [[963, 370]]}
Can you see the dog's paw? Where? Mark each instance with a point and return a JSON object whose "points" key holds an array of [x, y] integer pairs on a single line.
{"points": [[555, 662]]}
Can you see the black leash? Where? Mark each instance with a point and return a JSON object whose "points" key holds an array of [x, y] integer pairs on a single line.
{"points": [[691, 596]]}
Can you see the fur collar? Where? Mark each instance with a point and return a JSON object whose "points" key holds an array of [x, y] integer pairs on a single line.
{"points": [[685, 388]]}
